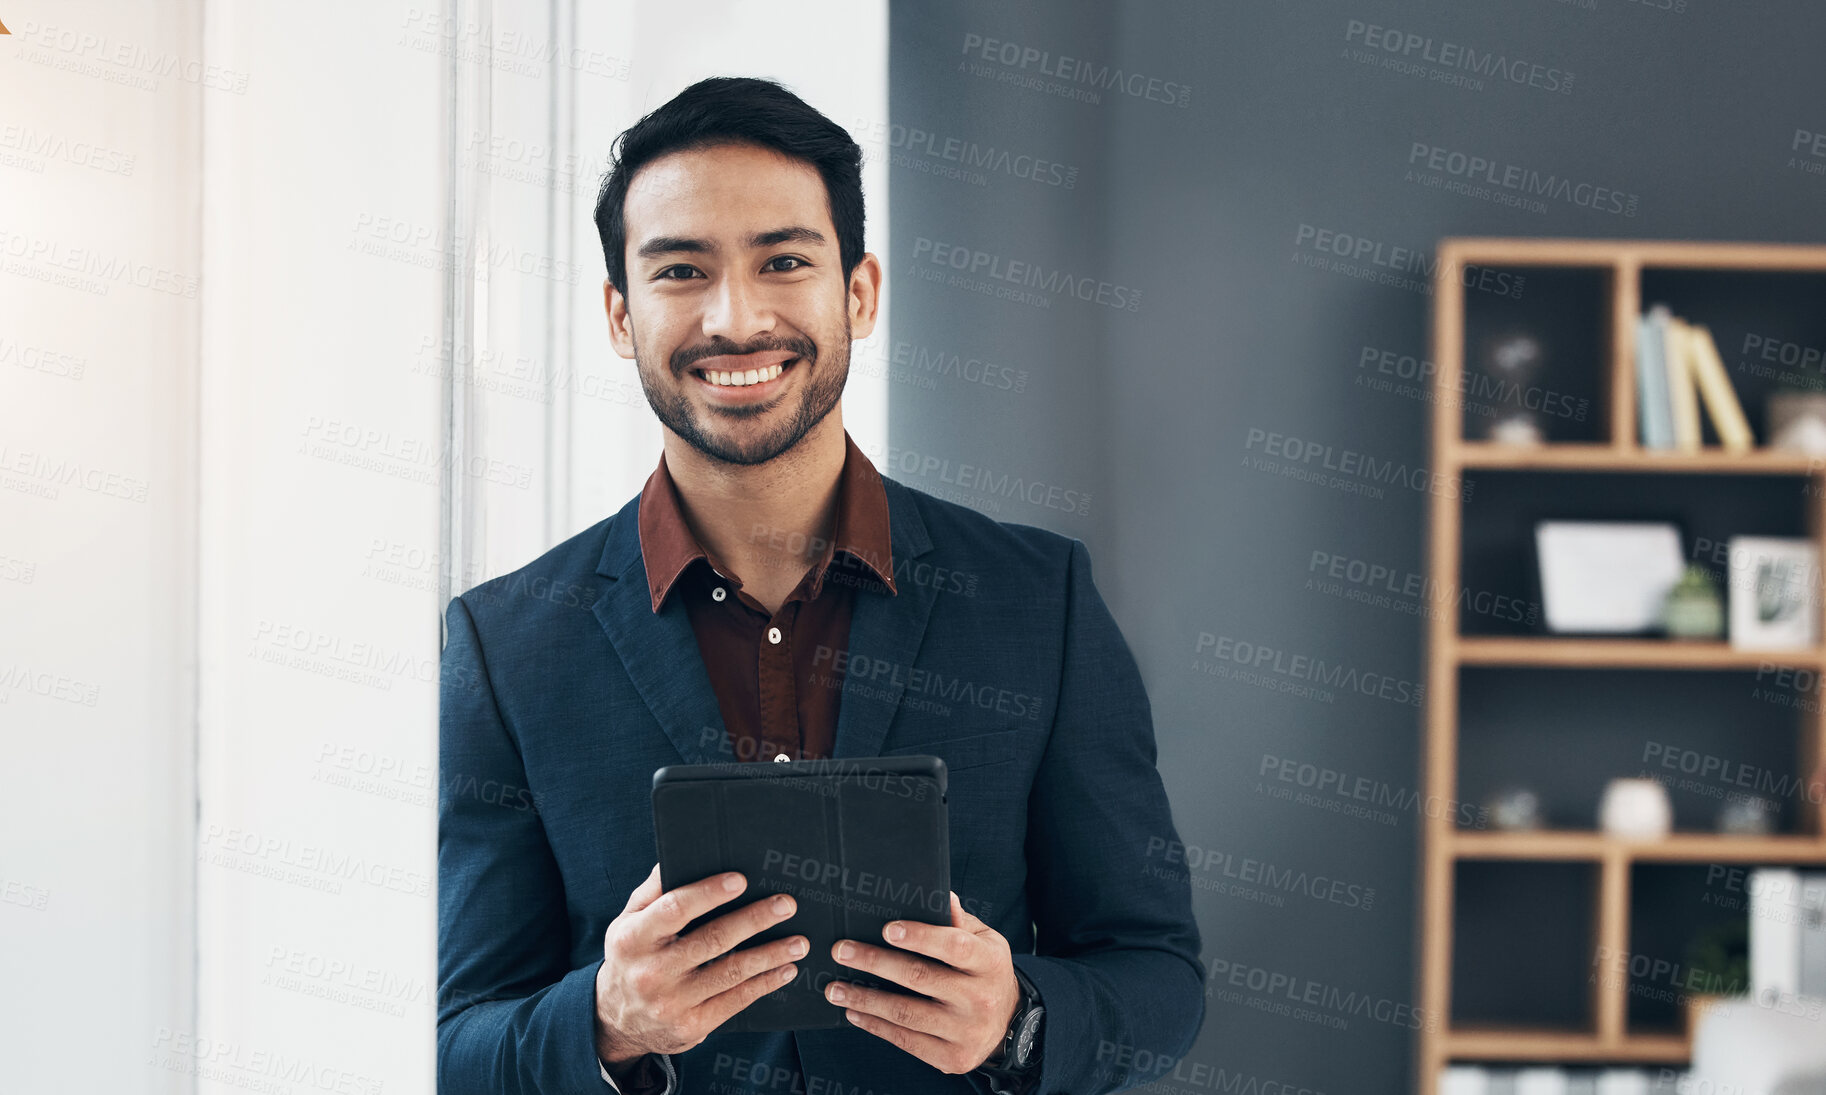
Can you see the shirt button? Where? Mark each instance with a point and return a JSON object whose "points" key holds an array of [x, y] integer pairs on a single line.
{"points": [[773, 635], [778, 757], [718, 593]]}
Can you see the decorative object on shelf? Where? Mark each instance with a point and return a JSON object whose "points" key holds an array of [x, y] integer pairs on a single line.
{"points": [[1694, 609], [1514, 363], [1718, 960], [1515, 810], [1677, 365], [1636, 809], [1796, 421], [1787, 932], [1774, 603], [1606, 577], [1746, 815]]}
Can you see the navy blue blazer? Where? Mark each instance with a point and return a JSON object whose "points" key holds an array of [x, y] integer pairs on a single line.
{"points": [[562, 690]]}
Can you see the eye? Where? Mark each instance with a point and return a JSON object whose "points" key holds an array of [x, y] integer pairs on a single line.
{"points": [[799, 263], [665, 275]]}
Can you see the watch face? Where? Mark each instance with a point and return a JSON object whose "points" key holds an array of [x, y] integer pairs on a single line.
{"points": [[1030, 1031]]}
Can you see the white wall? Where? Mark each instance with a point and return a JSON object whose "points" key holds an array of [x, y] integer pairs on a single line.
{"points": [[99, 261], [339, 340]]}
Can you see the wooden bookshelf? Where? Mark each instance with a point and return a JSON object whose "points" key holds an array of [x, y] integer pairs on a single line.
{"points": [[1622, 264]]}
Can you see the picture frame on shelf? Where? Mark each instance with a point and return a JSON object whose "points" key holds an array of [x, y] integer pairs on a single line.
{"points": [[1606, 577], [1774, 587]]}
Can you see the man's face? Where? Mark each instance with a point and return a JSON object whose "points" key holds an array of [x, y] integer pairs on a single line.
{"points": [[737, 313]]}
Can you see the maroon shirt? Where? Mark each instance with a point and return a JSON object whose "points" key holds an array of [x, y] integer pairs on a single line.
{"points": [[772, 673]]}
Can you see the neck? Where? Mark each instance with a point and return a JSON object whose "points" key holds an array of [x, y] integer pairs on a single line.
{"points": [[769, 521]]}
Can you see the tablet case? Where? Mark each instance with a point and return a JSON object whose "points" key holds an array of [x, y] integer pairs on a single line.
{"points": [[857, 842]]}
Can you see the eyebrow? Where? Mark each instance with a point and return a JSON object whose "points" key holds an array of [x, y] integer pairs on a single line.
{"points": [[672, 245]]}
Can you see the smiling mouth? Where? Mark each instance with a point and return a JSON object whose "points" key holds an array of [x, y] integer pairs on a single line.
{"points": [[744, 378]]}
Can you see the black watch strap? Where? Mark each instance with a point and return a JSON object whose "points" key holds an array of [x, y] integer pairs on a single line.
{"points": [[1005, 1078]]}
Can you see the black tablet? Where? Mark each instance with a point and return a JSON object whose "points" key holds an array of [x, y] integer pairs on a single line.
{"points": [[857, 842]]}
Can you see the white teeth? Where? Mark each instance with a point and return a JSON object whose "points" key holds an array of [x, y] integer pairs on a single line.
{"points": [[743, 379]]}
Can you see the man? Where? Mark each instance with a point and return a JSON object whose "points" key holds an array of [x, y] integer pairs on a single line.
{"points": [[769, 595]]}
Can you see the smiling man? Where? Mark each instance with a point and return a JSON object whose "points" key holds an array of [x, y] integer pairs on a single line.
{"points": [[768, 596]]}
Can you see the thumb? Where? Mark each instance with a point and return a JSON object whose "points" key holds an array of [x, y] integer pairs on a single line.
{"points": [[963, 918], [646, 893]]}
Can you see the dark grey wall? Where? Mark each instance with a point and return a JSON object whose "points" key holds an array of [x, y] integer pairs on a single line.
{"points": [[1149, 412]]}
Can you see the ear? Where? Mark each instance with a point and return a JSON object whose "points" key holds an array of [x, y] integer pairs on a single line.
{"points": [[864, 298], [621, 331]]}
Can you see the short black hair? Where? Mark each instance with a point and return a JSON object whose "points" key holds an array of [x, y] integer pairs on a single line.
{"points": [[735, 110]]}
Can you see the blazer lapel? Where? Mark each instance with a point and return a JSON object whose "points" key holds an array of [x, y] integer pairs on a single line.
{"points": [[886, 630], [659, 650]]}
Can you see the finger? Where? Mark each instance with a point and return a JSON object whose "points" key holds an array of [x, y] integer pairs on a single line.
{"points": [[928, 978], [646, 893], [952, 946], [716, 1011], [672, 910], [964, 918], [715, 938], [915, 1013], [935, 1052], [731, 970]]}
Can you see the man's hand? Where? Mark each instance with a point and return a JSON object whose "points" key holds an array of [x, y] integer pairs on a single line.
{"points": [[966, 983], [660, 992]]}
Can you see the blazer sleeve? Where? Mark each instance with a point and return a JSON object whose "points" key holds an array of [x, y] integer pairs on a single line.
{"points": [[512, 1017], [1116, 957]]}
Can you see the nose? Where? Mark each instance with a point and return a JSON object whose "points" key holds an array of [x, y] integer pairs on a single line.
{"points": [[737, 310]]}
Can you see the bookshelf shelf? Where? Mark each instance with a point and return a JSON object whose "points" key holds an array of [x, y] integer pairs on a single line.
{"points": [[1627, 654], [1569, 456], [1533, 1044], [1677, 848], [1583, 301]]}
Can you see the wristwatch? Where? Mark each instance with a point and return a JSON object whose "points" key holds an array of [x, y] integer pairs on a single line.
{"points": [[1015, 1066]]}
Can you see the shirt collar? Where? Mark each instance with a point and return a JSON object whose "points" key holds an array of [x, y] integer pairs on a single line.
{"points": [[667, 545]]}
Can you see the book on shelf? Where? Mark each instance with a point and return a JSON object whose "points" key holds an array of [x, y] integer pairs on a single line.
{"points": [[1683, 396], [1653, 412], [1678, 367]]}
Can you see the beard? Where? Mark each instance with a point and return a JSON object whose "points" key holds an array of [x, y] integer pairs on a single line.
{"points": [[819, 392]]}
